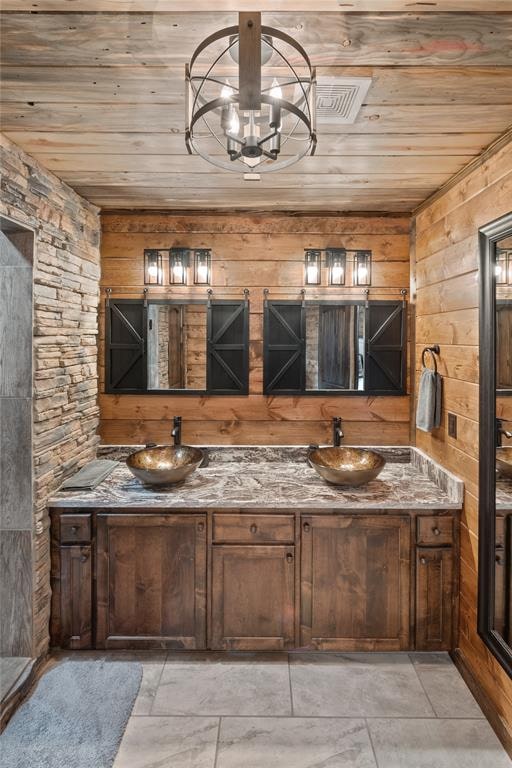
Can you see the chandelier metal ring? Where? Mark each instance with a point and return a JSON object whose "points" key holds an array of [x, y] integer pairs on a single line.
{"points": [[250, 118]]}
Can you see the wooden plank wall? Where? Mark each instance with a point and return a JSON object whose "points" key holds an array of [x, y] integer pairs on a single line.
{"points": [[447, 305], [252, 251]]}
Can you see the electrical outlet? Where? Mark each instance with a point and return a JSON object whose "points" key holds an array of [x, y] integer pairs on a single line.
{"points": [[452, 425]]}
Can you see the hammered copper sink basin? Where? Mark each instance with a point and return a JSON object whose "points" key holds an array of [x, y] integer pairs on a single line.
{"points": [[164, 464], [346, 466]]}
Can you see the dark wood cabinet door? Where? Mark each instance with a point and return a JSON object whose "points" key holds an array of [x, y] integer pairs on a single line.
{"points": [[434, 599], [355, 582], [253, 588], [151, 581], [75, 597]]}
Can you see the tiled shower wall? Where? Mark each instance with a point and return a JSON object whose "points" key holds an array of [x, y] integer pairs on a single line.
{"points": [[16, 256], [63, 395]]}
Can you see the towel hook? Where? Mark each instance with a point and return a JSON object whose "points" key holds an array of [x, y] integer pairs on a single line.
{"points": [[433, 351]]}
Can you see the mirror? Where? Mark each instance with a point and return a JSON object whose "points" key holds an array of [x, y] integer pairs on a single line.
{"points": [[335, 347], [325, 346], [164, 346], [176, 346], [495, 528]]}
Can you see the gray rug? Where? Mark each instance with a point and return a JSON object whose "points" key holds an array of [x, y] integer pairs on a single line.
{"points": [[75, 717]]}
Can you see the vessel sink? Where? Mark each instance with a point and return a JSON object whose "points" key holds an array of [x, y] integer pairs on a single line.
{"points": [[164, 464], [504, 462], [346, 466]]}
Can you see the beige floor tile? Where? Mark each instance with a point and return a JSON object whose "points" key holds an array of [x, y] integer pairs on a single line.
{"points": [[436, 744], [247, 742], [168, 742], [222, 686], [356, 685]]}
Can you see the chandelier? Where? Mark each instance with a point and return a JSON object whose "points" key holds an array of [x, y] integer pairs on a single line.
{"points": [[250, 99]]}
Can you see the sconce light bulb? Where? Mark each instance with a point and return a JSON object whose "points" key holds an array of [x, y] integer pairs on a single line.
{"points": [[153, 270], [312, 273], [337, 273]]}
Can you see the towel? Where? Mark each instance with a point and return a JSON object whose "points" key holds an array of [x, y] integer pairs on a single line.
{"points": [[91, 475], [428, 413]]}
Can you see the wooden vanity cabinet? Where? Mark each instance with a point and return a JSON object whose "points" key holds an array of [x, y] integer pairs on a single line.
{"points": [[435, 593], [252, 582], [253, 596], [71, 579], [355, 582], [151, 581]]}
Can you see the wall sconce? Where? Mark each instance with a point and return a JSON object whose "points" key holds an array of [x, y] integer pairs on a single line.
{"points": [[313, 267], [178, 263], [153, 271], [202, 266], [503, 269], [363, 268], [337, 263]]}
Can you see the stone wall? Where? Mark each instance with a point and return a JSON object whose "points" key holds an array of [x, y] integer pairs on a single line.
{"points": [[65, 382]]}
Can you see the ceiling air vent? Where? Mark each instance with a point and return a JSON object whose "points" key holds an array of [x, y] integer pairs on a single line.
{"points": [[339, 99]]}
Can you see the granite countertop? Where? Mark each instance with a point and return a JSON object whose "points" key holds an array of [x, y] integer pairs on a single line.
{"points": [[277, 479], [504, 495]]}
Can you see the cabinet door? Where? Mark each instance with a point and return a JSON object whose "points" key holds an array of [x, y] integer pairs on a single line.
{"points": [[75, 597], [355, 582], [151, 581], [434, 599], [252, 597]]}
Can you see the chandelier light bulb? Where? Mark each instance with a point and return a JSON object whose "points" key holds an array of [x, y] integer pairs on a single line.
{"points": [[227, 91], [234, 123], [276, 90]]}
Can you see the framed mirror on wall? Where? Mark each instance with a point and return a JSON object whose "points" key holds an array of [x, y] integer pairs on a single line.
{"points": [[495, 466], [175, 347], [324, 347]]}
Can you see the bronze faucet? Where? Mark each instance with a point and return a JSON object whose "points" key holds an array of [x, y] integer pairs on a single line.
{"points": [[501, 432], [176, 432], [337, 432]]}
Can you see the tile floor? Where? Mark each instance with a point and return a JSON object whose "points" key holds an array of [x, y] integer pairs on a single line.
{"points": [[306, 710]]}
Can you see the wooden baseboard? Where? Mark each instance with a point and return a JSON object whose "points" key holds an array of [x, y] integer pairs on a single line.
{"points": [[21, 689], [501, 729]]}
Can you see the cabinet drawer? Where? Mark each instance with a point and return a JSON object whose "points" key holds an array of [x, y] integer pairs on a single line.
{"points": [[434, 531], [253, 529], [74, 528]]}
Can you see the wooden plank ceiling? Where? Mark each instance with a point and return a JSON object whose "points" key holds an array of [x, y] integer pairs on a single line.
{"points": [[98, 97]]}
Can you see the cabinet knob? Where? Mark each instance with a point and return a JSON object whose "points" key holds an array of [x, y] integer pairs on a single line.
{"points": [[423, 560], [74, 529], [306, 527], [83, 558], [253, 528], [498, 559], [200, 527], [289, 557], [436, 531]]}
